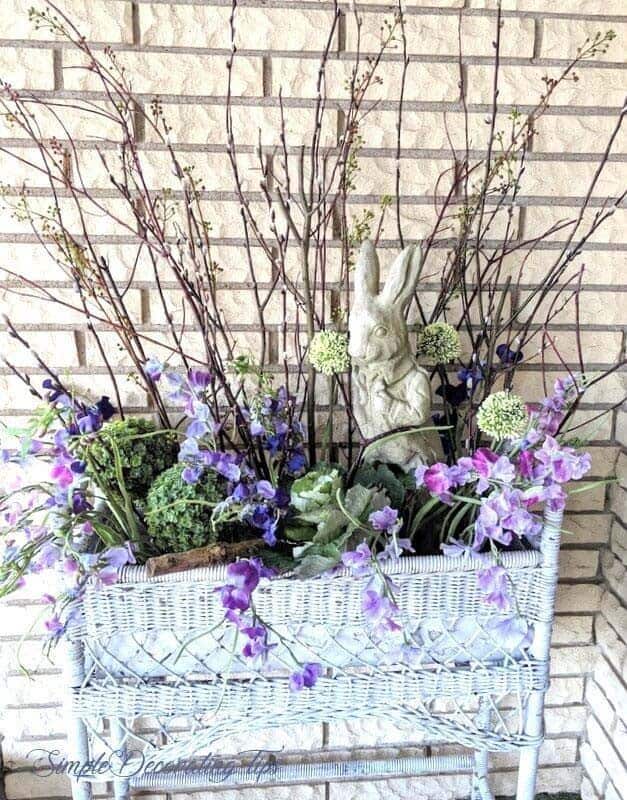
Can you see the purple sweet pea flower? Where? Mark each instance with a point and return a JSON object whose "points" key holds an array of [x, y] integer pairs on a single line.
{"points": [[296, 463], [380, 611], [385, 519], [560, 464], [120, 556], [257, 646], [153, 369], [266, 490], [243, 578], [494, 584], [191, 474], [359, 560], [107, 576], [199, 380], [62, 475], [511, 633], [54, 626], [256, 428], [305, 678]]}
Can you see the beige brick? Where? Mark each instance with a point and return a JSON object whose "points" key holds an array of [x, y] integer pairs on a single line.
{"points": [[612, 686], [205, 123], [30, 786], [611, 645], [88, 386], [29, 261], [413, 4], [561, 38], [615, 573], [564, 691], [552, 751], [593, 767], [556, 133], [586, 529], [256, 28], [24, 311], [57, 350], [98, 20], [587, 790], [559, 308], [601, 707], [172, 73], [377, 176], [572, 179], [564, 721], [612, 762], [578, 564], [524, 85], [566, 779], [583, 7], [26, 68], [297, 78], [575, 598], [588, 425], [24, 166], [573, 660], [67, 119], [619, 542], [615, 614], [427, 788], [599, 267], [598, 347], [438, 35], [572, 630]]}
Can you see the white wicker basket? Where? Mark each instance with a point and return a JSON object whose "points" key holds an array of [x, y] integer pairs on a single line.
{"points": [[153, 672]]}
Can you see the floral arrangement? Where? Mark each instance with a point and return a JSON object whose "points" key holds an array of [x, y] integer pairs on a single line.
{"points": [[238, 450]]}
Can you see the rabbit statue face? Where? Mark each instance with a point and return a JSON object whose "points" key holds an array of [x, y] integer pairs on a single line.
{"points": [[378, 332], [390, 390]]}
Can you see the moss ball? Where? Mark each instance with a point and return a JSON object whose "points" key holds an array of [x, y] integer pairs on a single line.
{"points": [[178, 514], [143, 456]]}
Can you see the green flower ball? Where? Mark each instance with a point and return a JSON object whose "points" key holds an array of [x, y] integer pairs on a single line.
{"points": [[503, 416], [178, 514], [439, 341], [142, 457], [328, 352]]}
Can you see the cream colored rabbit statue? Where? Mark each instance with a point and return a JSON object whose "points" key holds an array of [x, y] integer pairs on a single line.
{"points": [[390, 390]]}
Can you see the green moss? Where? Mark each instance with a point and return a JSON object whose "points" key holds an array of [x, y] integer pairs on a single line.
{"points": [[143, 456], [178, 514]]}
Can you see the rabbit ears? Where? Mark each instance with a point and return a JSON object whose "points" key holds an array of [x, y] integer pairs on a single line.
{"points": [[401, 281]]}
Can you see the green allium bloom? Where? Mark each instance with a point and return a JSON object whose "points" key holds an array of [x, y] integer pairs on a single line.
{"points": [[328, 352], [439, 341], [178, 514], [503, 416], [143, 450]]}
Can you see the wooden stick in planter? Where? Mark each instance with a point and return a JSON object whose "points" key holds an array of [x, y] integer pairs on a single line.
{"points": [[202, 557]]}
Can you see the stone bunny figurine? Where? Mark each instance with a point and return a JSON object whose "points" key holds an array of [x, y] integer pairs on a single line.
{"points": [[390, 390]]}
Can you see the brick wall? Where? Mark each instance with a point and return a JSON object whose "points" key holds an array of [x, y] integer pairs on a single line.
{"points": [[603, 752], [178, 49]]}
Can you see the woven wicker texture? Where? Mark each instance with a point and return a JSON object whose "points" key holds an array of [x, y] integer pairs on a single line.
{"points": [[155, 658]]}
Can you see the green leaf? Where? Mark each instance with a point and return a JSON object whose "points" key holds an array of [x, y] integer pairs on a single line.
{"points": [[300, 533], [330, 526], [357, 500], [383, 477], [317, 559]]}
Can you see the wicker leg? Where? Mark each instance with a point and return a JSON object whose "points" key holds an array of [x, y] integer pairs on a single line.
{"points": [[78, 749], [480, 786], [121, 788], [528, 764], [78, 739]]}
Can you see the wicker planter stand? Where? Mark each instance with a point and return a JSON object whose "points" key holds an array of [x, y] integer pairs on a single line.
{"points": [[153, 674]]}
